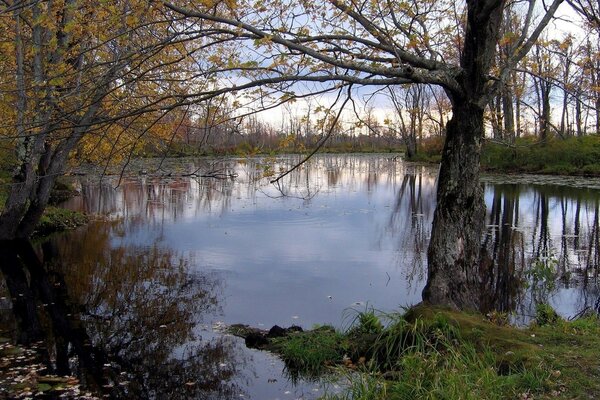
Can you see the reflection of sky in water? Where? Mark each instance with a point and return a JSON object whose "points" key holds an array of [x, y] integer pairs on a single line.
{"points": [[350, 239], [289, 260], [298, 259], [351, 231]]}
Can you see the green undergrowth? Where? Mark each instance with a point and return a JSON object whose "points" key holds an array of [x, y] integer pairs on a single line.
{"points": [[434, 353], [571, 156], [57, 220], [245, 149], [54, 219]]}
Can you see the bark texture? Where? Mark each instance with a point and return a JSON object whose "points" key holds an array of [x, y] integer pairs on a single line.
{"points": [[454, 249]]}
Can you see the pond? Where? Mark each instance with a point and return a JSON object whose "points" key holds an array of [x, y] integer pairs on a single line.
{"points": [[174, 256]]}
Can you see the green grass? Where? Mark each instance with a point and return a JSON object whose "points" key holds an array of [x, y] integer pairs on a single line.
{"points": [[434, 353], [309, 353], [58, 220], [571, 156]]}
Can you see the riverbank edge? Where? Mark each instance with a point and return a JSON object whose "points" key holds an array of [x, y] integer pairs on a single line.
{"points": [[433, 352], [55, 219]]}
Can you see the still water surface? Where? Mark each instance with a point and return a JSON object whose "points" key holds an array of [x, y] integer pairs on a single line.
{"points": [[173, 259]]}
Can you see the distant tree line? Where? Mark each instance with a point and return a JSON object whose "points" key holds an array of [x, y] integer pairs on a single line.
{"points": [[553, 92]]}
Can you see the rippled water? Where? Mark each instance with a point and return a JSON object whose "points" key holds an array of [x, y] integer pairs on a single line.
{"points": [[172, 258]]}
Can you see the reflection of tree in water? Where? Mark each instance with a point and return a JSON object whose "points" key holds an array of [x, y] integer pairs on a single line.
{"points": [[504, 250], [527, 223], [142, 305], [410, 221], [154, 200], [549, 228], [140, 309], [541, 239], [41, 310]]}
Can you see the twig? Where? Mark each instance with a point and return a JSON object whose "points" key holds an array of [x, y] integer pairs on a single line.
{"points": [[322, 141]]}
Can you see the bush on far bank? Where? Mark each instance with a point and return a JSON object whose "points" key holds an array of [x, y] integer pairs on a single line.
{"points": [[570, 156]]}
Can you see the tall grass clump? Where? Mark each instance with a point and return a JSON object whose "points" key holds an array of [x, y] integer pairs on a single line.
{"points": [[427, 357], [435, 353], [309, 353]]}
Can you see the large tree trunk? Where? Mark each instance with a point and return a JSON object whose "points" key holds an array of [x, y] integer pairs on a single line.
{"points": [[31, 186], [18, 201], [29, 195], [454, 248]]}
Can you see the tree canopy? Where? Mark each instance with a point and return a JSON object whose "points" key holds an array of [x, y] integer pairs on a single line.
{"points": [[95, 78], [274, 44]]}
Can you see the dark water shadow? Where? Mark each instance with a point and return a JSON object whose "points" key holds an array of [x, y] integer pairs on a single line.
{"points": [[125, 329]]}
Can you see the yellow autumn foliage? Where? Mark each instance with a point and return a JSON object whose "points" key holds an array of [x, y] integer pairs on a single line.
{"points": [[121, 67]]}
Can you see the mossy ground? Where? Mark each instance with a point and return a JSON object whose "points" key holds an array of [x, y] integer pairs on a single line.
{"points": [[58, 220], [432, 353]]}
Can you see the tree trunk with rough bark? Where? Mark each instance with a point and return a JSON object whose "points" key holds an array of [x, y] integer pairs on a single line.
{"points": [[454, 248], [411, 145], [455, 244], [545, 87]]}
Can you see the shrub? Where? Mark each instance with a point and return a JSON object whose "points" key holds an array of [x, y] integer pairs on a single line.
{"points": [[545, 315]]}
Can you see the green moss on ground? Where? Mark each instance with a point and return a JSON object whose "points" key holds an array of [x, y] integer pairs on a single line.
{"points": [[432, 353], [59, 219]]}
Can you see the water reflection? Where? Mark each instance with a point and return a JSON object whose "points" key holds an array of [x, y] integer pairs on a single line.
{"points": [[127, 315], [543, 240], [171, 256], [42, 311], [410, 221], [142, 305], [367, 218]]}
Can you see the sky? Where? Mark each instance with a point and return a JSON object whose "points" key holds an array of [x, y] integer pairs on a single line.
{"points": [[567, 22]]}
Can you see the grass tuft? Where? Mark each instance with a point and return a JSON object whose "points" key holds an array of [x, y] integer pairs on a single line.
{"points": [[309, 353], [435, 353]]}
